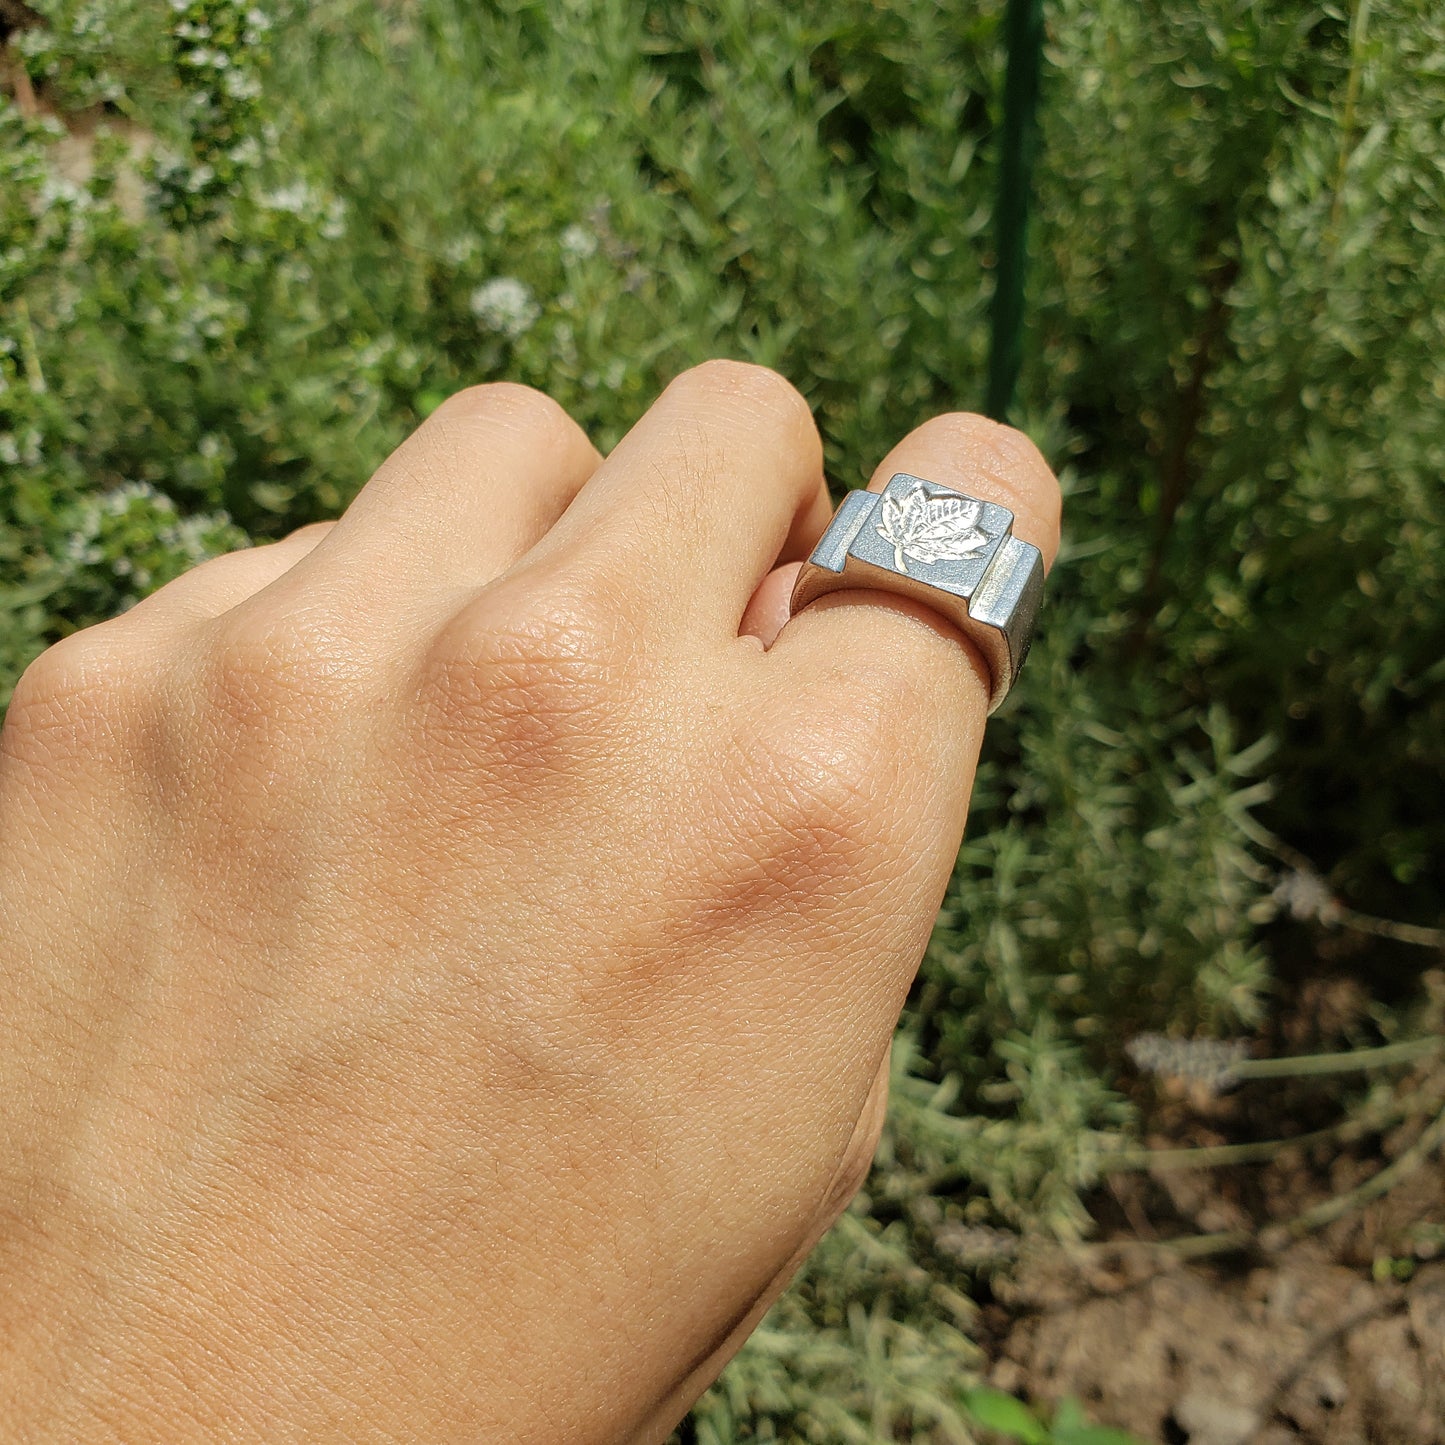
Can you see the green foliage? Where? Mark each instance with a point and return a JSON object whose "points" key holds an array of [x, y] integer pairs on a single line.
{"points": [[217, 54], [1005, 1418], [96, 51], [1002, 1414], [1241, 224], [279, 236]]}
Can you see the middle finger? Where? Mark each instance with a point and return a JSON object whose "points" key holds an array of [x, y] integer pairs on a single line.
{"points": [[720, 480]]}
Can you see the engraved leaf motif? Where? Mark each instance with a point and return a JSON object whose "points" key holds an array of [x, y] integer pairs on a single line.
{"points": [[931, 529]]}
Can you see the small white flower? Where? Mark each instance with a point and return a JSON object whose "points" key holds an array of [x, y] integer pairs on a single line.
{"points": [[1207, 1062], [1306, 896], [505, 305], [459, 250], [296, 199], [190, 533], [241, 85], [116, 502], [578, 241], [55, 191], [245, 152]]}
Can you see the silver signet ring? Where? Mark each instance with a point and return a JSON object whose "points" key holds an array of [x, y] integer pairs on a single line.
{"points": [[956, 553]]}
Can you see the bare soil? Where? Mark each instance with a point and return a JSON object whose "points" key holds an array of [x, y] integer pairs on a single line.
{"points": [[1301, 1350], [1333, 1338]]}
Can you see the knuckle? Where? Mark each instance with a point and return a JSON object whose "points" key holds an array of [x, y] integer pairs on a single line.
{"points": [[915, 715], [312, 532], [829, 768], [523, 408], [793, 832], [204, 583], [526, 682], [267, 672], [91, 690], [474, 431], [749, 381], [74, 666], [1000, 450], [818, 787], [823, 803]]}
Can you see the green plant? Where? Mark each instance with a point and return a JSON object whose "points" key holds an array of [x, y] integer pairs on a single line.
{"points": [[1005, 1418], [222, 301]]}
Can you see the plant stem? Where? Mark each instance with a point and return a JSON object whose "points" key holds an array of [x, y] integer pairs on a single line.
{"points": [[1018, 143], [1417, 933], [1420, 1152], [1276, 1236], [1348, 1061], [1217, 1156], [1420, 934], [33, 372], [1359, 27], [1366, 1121], [1176, 479]]}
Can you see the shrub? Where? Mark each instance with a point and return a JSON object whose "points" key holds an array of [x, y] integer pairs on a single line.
{"points": [[286, 232]]}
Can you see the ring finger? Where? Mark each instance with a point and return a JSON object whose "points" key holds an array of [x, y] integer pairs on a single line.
{"points": [[456, 505], [720, 479]]}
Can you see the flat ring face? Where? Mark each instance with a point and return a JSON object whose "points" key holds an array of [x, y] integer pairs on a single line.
{"points": [[954, 552]]}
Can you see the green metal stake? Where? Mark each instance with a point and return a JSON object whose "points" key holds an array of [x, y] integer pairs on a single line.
{"points": [[1018, 144]]}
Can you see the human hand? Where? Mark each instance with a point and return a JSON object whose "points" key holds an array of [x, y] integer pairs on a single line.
{"points": [[450, 955]]}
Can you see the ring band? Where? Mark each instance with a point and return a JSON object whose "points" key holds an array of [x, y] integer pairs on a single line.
{"points": [[956, 553]]}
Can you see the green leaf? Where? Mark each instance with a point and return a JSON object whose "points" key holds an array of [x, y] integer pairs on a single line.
{"points": [[1096, 1435], [1068, 1417], [1071, 1427], [994, 1410]]}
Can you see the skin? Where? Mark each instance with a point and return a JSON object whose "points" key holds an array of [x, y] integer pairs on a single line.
{"points": [[449, 956]]}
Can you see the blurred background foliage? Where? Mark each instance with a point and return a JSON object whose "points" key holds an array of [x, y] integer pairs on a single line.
{"points": [[244, 248]]}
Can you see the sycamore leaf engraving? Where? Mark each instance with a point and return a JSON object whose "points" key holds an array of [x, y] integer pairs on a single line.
{"points": [[931, 529]]}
